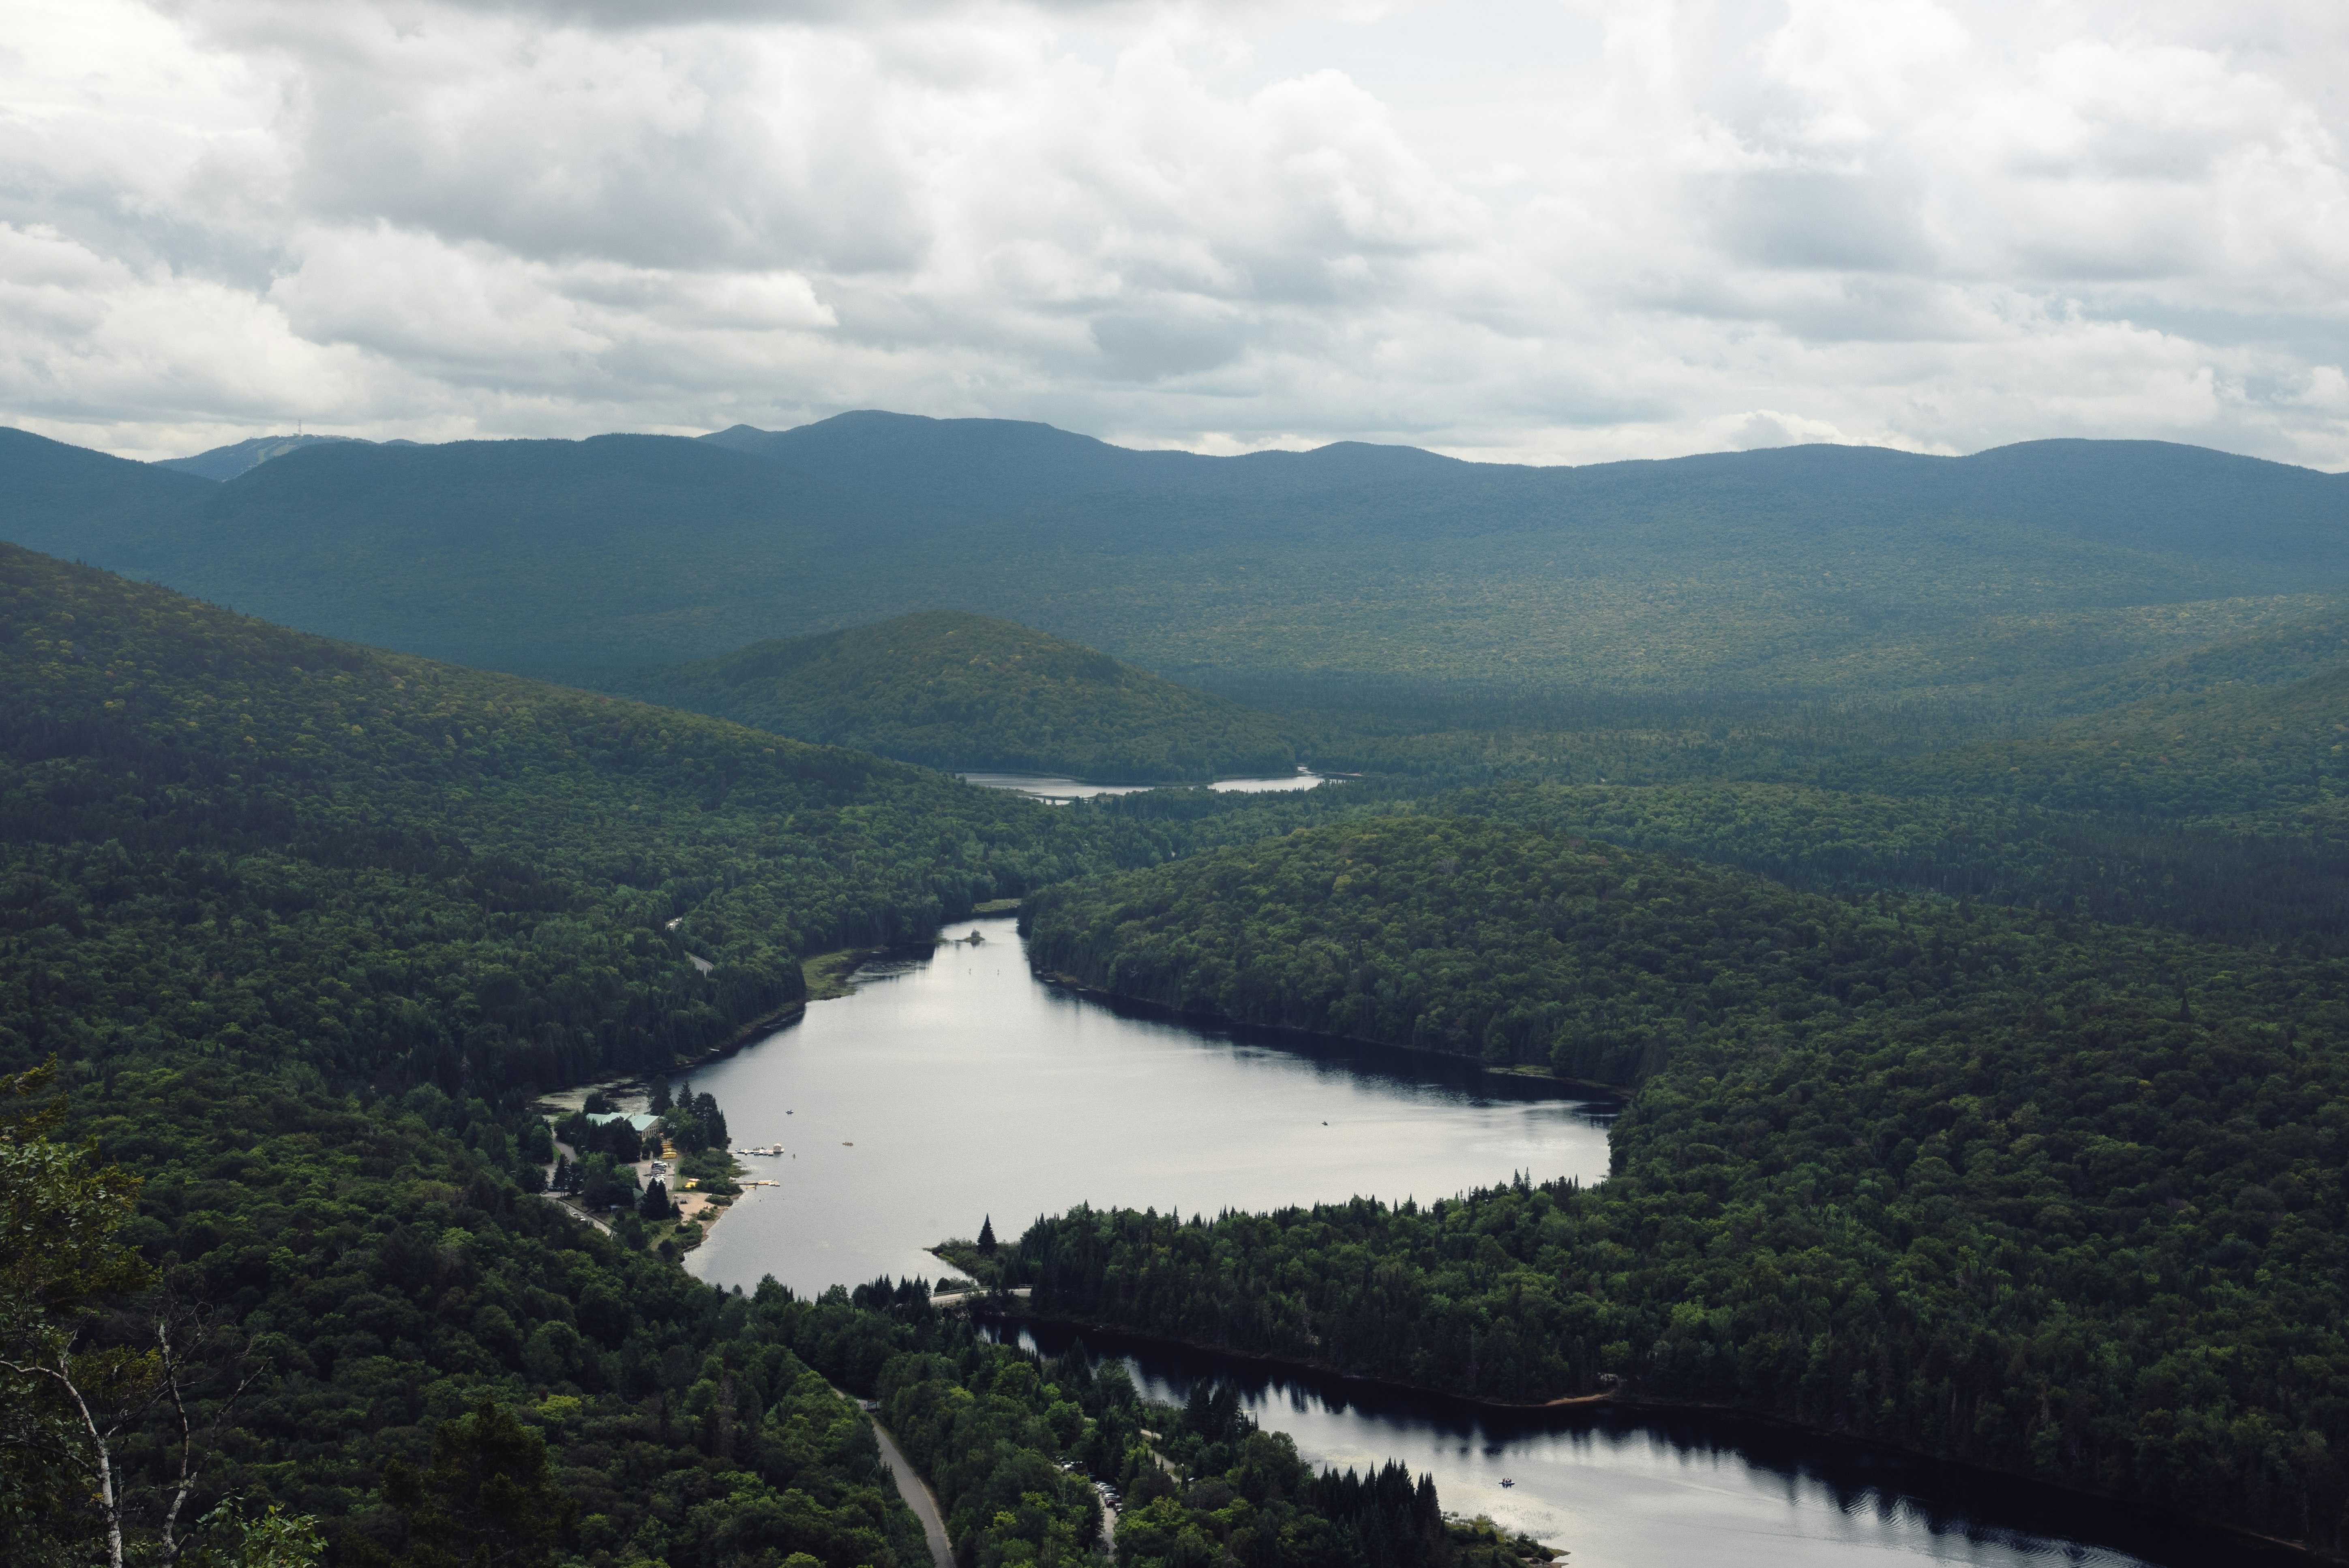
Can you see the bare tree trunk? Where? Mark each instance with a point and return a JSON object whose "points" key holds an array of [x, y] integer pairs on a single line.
{"points": [[187, 1447], [109, 1496], [114, 1505]]}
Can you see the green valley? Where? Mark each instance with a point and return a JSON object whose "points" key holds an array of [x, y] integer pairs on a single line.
{"points": [[958, 690], [1939, 856]]}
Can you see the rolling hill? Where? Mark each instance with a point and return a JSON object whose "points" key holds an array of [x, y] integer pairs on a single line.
{"points": [[531, 556], [377, 864], [958, 690]]}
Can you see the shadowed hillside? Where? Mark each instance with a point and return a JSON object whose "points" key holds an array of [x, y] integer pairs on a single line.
{"points": [[301, 838], [959, 690]]}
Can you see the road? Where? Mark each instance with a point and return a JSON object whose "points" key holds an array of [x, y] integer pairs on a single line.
{"points": [[577, 1214], [916, 1494], [956, 1299]]}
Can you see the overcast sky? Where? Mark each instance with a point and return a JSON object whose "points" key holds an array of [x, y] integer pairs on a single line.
{"points": [[1540, 232]]}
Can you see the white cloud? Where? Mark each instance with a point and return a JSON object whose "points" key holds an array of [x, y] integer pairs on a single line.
{"points": [[1597, 229]]}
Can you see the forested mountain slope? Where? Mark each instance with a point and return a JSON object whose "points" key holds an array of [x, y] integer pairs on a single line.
{"points": [[303, 926], [1489, 938], [2274, 654], [952, 690], [292, 848], [2033, 572], [2229, 751], [2022, 1189], [73, 501]]}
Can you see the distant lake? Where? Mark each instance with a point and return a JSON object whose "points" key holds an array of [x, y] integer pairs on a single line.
{"points": [[1049, 786], [953, 1087]]}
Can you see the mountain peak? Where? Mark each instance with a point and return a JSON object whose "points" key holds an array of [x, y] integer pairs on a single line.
{"points": [[224, 463]]}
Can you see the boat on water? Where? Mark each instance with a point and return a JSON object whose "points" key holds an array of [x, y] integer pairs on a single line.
{"points": [[1507, 1482], [767, 1149]]}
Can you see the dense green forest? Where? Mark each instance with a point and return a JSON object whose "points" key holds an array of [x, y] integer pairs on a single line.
{"points": [[290, 851], [1946, 854], [2219, 879], [2006, 1184], [408, 1348], [1484, 938], [964, 691], [2206, 754]]}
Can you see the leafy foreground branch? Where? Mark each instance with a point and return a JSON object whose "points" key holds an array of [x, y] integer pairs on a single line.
{"points": [[95, 1360]]}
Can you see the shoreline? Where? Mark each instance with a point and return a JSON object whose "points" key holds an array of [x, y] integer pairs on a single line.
{"points": [[1000, 1314], [825, 974], [1589, 1088]]}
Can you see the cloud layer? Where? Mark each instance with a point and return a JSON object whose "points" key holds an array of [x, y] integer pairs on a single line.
{"points": [[1539, 231]]}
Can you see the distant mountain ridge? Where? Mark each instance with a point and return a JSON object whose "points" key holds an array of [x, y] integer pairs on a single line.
{"points": [[222, 463], [958, 690], [2138, 495], [1805, 572]]}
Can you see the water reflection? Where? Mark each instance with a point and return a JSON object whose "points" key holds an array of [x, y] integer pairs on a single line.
{"points": [[1622, 1488], [953, 1085]]}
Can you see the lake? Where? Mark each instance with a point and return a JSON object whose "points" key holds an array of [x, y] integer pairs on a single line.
{"points": [[1623, 1489], [1055, 789], [953, 1087]]}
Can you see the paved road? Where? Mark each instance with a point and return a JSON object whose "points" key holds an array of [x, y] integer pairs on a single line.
{"points": [[577, 1214], [916, 1494]]}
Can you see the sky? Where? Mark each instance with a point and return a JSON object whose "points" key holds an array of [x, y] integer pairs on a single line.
{"points": [[1560, 232]]}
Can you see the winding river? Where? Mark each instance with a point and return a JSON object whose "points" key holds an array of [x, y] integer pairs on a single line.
{"points": [[953, 1087]]}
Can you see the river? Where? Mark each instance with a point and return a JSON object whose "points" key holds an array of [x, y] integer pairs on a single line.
{"points": [[953, 1086]]}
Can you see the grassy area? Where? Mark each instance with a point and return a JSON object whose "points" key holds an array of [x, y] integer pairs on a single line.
{"points": [[827, 973], [985, 1268]]}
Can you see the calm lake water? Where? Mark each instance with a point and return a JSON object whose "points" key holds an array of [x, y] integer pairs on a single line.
{"points": [[1625, 1489], [1051, 787], [953, 1086]]}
